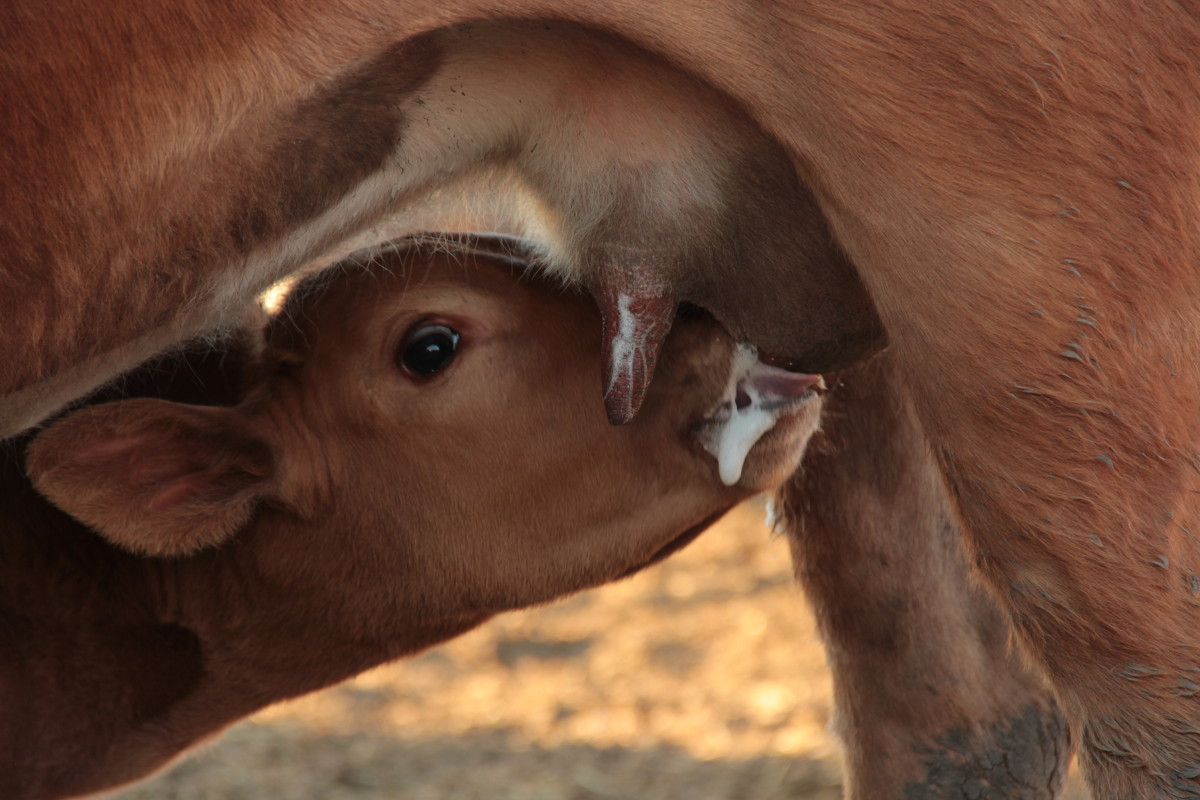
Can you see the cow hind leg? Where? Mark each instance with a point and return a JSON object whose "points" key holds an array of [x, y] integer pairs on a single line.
{"points": [[932, 700]]}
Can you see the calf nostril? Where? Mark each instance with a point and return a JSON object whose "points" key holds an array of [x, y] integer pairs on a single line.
{"points": [[742, 399]]}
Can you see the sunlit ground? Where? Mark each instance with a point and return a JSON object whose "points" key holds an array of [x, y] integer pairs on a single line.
{"points": [[700, 679]]}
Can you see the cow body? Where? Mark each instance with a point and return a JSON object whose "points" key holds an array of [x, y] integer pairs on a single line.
{"points": [[232, 208], [1015, 183]]}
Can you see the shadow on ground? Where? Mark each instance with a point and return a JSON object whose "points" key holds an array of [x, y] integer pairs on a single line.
{"points": [[283, 762]]}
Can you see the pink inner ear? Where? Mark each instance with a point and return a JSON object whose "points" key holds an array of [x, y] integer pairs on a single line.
{"points": [[636, 321], [108, 447], [180, 490]]}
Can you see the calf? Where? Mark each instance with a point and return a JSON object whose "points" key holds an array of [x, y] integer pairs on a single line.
{"points": [[422, 445]]}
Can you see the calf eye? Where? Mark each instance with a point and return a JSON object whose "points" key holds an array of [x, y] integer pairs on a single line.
{"points": [[428, 349]]}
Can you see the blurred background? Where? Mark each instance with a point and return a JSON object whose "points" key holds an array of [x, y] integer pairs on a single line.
{"points": [[698, 679]]}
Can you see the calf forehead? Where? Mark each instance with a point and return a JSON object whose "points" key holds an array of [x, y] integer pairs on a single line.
{"points": [[475, 283], [412, 277], [338, 336], [341, 301]]}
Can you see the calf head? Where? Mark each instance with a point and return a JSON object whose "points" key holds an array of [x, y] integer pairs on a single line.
{"points": [[425, 435]]}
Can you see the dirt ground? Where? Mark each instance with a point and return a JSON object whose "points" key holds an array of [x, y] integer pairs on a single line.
{"points": [[700, 679]]}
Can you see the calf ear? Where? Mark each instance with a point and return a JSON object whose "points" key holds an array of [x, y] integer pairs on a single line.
{"points": [[154, 477]]}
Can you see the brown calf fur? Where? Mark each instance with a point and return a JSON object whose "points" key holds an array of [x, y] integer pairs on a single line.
{"points": [[932, 701], [346, 512], [1015, 182]]}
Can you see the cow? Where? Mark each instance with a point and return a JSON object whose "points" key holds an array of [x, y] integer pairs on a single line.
{"points": [[374, 491], [1013, 183]]}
